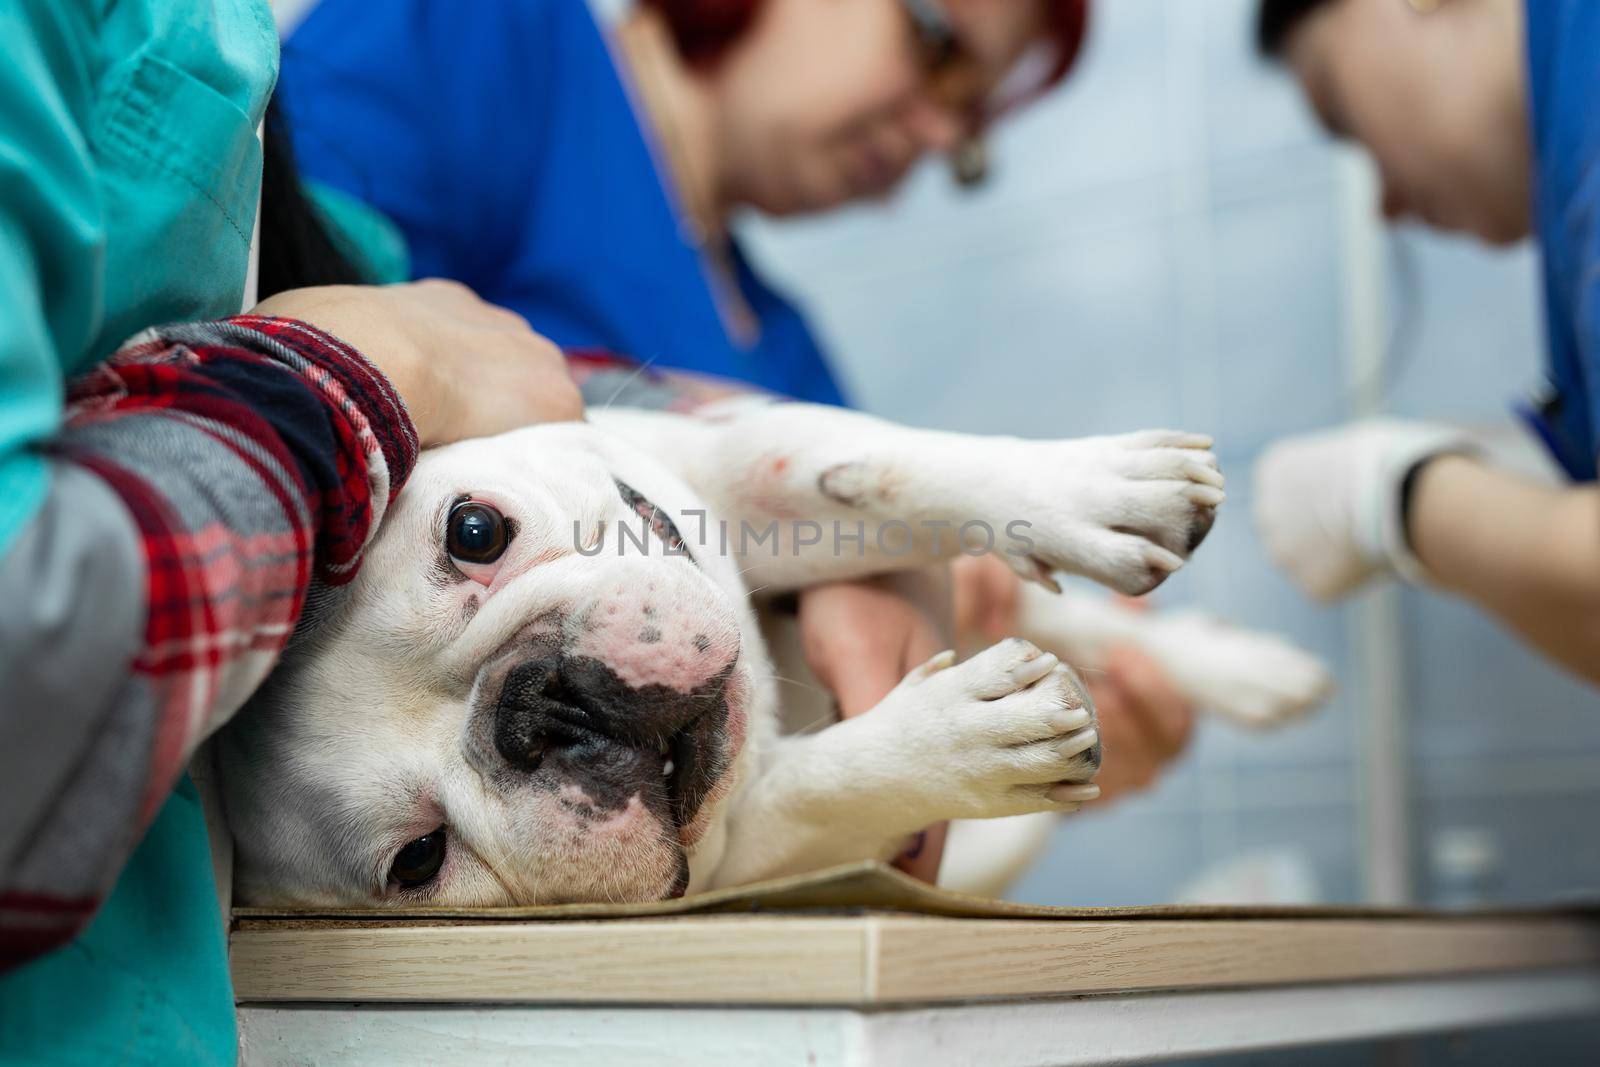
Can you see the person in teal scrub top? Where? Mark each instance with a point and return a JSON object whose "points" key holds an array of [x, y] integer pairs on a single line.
{"points": [[1483, 117], [174, 477]]}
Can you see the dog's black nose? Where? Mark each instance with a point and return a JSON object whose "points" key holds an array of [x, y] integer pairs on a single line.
{"points": [[555, 701], [540, 708], [579, 721]]}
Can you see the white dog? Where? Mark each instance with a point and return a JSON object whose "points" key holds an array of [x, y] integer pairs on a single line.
{"points": [[548, 683]]}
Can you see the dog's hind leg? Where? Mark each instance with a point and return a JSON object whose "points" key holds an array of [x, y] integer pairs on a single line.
{"points": [[1255, 679]]}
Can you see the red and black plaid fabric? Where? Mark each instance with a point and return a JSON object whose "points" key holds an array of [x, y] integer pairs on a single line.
{"points": [[253, 456]]}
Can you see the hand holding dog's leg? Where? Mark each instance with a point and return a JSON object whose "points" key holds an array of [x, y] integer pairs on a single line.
{"points": [[860, 639], [1143, 719]]}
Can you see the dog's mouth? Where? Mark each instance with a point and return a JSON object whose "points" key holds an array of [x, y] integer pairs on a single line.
{"points": [[691, 762]]}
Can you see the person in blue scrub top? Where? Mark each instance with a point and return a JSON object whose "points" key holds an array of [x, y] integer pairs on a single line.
{"points": [[586, 178], [1483, 117]]}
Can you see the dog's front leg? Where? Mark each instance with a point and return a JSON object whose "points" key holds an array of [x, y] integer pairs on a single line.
{"points": [[1008, 732], [808, 494]]}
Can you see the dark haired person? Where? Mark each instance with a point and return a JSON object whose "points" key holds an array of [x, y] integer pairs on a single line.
{"points": [[174, 477], [1483, 117], [587, 180]]}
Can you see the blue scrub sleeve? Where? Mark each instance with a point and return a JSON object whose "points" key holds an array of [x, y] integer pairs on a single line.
{"points": [[458, 152], [1588, 312]]}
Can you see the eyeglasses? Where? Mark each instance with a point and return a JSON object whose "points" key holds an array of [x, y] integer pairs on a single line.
{"points": [[955, 79]]}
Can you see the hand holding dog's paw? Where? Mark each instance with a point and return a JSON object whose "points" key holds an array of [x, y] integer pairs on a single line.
{"points": [[1010, 731], [1126, 511]]}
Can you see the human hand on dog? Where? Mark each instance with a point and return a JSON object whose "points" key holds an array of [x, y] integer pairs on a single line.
{"points": [[464, 367], [1145, 723], [860, 639]]}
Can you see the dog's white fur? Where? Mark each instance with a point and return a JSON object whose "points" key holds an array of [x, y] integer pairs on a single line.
{"points": [[379, 727]]}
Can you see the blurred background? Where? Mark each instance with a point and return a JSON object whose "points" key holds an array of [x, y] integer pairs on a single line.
{"points": [[1169, 240]]}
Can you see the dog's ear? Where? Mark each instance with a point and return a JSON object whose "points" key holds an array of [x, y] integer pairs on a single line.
{"points": [[325, 609]]}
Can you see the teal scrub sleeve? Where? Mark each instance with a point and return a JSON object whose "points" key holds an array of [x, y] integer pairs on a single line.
{"points": [[52, 241]]}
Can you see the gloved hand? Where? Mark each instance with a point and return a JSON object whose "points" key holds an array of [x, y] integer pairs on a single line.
{"points": [[1329, 508]]}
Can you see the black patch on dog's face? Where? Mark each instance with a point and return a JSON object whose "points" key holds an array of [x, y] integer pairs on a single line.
{"points": [[560, 720]]}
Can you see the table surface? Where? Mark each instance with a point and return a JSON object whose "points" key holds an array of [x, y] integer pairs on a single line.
{"points": [[875, 988], [871, 959]]}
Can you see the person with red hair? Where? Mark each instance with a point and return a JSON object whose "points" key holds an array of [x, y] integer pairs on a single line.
{"points": [[586, 179], [958, 63]]}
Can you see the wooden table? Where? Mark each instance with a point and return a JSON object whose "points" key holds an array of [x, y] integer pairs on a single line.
{"points": [[833, 984]]}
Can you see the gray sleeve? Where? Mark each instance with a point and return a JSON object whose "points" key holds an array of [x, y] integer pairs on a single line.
{"points": [[72, 612]]}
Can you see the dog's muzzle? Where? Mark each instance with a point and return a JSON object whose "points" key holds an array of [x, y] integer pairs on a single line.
{"points": [[574, 714]]}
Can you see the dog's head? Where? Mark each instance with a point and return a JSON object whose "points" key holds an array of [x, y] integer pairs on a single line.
{"points": [[535, 692]]}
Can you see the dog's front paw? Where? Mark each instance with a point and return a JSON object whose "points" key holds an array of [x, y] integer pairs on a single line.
{"points": [[1126, 511], [1010, 731], [1255, 679]]}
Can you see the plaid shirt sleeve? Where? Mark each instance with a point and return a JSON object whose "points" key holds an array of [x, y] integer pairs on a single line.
{"points": [[207, 478]]}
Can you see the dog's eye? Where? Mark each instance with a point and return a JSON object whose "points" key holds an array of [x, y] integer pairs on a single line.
{"points": [[419, 862], [476, 533]]}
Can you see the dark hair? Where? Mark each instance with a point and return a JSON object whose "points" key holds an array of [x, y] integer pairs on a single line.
{"points": [[1278, 19], [705, 29], [296, 247]]}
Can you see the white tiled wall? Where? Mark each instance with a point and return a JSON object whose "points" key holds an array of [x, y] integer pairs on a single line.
{"points": [[1164, 243]]}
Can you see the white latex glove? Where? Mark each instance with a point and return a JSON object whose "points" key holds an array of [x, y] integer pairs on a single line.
{"points": [[1327, 505]]}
